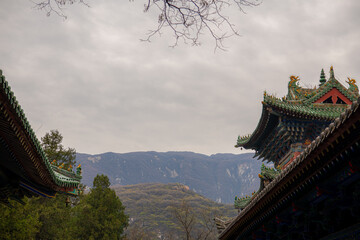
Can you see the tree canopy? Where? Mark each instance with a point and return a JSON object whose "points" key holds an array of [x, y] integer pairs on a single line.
{"points": [[97, 215], [19, 222], [101, 182], [100, 214], [54, 150]]}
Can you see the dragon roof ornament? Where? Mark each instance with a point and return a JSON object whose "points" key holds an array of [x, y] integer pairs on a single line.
{"points": [[352, 85], [303, 101], [267, 175]]}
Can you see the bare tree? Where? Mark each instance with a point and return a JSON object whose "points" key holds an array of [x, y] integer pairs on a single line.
{"points": [[196, 225], [136, 231], [55, 6], [187, 19], [206, 218], [186, 218]]}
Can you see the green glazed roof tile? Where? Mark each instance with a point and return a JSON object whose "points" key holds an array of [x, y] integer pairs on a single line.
{"points": [[303, 106], [268, 173], [58, 177], [241, 203]]}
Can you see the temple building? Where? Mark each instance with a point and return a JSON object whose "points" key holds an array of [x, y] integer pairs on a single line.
{"points": [[24, 168], [312, 137]]}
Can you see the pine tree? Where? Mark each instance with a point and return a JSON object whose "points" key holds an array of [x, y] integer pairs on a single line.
{"points": [[100, 214], [54, 150]]}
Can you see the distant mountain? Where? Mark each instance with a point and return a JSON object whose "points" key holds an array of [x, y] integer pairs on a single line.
{"points": [[151, 208], [219, 177]]}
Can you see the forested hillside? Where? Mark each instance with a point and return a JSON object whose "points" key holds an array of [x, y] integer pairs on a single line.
{"points": [[157, 211]]}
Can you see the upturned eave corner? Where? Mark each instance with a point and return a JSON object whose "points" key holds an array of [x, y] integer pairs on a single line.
{"points": [[242, 140], [32, 168], [312, 138]]}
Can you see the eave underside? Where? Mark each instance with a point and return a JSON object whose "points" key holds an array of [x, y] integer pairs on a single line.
{"points": [[24, 169], [289, 131], [330, 161], [274, 106]]}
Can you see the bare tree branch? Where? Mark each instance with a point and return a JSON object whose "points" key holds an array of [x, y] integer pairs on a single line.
{"points": [[196, 223], [55, 6], [187, 19]]}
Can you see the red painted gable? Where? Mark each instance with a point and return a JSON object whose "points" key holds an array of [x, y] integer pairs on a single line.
{"points": [[334, 94]]}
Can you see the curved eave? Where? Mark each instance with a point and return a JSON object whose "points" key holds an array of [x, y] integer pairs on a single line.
{"points": [[250, 142], [347, 122], [274, 107], [27, 148], [305, 111]]}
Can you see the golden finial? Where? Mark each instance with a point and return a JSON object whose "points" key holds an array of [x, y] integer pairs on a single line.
{"points": [[332, 72]]}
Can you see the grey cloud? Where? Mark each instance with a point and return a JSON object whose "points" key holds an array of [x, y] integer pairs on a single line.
{"points": [[93, 79]]}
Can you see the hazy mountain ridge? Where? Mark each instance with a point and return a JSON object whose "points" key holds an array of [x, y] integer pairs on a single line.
{"points": [[219, 177]]}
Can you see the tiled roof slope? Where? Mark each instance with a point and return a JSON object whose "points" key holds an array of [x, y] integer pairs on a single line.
{"points": [[266, 176], [344, 124], [300, 102], [24, 147]]}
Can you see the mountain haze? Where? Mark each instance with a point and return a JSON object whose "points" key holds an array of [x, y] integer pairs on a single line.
{"points": [[219, 177]]}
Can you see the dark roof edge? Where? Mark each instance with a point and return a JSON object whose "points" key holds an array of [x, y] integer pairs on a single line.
{"points": [[18, 112], [299, 159]]}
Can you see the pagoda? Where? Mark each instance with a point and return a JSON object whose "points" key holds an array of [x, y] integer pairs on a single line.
{"points": [[24, 168], [312, 137], [289, 124]]}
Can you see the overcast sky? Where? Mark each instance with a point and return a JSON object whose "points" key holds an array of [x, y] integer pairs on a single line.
{"points": [[91, 77]]}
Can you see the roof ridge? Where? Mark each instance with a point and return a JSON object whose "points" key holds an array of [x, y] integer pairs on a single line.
{"points": [[299, 159]]}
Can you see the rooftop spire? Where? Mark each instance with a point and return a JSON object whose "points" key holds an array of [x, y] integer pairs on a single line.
{"points": [[332, 72], [322, 77]]}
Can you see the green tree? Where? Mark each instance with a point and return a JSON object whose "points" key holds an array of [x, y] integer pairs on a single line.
{"points": [[18, 222], [54, 216], [38, 217], [100, 214], [97, 215], [101, 182], [54, 150]]}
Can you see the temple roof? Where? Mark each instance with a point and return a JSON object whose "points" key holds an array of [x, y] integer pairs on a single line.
{"points": [[23, 160], [329, 150], [306, 96], [286, 120]]}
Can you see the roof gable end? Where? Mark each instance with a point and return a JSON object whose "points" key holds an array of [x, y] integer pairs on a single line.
{"points": [[334, 89]]}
